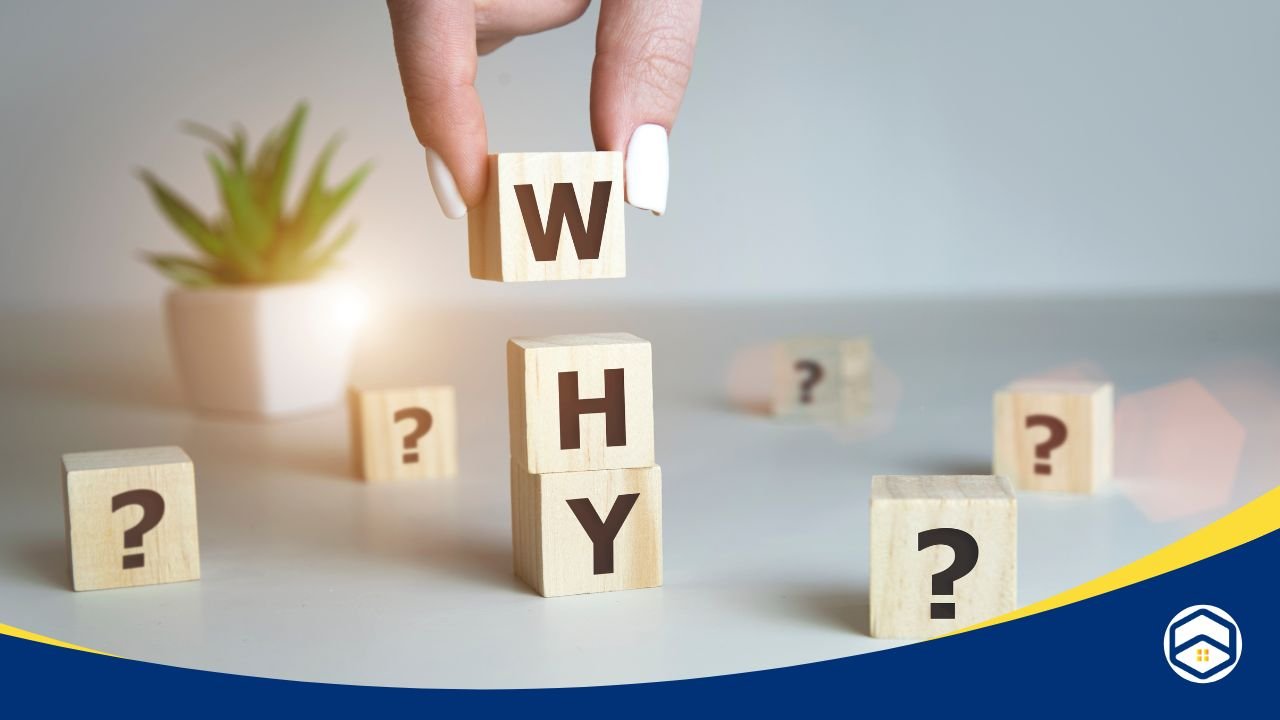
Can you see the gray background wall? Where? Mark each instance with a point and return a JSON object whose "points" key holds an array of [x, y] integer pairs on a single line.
{"points": [[825, 150]]}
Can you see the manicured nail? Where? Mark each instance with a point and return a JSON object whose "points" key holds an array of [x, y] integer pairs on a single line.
{"points": [[446, 189], [647, 169]]}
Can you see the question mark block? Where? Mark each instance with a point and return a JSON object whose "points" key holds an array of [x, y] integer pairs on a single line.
{"points": [[404, 433], [130, 517], [979, 510], [550, 216], [822, 379], [1055, 435], [580, 402], [589, 531]]}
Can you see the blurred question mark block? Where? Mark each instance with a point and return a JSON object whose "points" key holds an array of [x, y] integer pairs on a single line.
{"points": [[943, 553], [586, 494], [822, 379], [404, 433], [589, 531], [549, 216], [1055, 434], [131, 517]]}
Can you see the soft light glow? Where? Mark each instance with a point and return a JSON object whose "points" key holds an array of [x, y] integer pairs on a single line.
{"points": [[350, 308]]}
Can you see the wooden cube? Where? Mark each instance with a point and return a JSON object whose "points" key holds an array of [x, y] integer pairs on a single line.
{"points": [[131, 517], [550, 216], [944, 553], [580, 402], [822, 379], [1055, 435], [404, 433], [590, 531]]}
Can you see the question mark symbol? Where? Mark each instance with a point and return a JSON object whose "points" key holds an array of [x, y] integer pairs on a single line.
{"points": [[152, 505], [944, 581], [421, 424], [1057, 436], [813, 376]]}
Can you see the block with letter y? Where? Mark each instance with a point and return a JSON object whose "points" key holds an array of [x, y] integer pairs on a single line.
{"points": [[586, 496], [589, 531], [549, 216]]}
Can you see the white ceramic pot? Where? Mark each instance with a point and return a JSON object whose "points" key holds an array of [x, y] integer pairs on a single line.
{"points": [[266, 350]]}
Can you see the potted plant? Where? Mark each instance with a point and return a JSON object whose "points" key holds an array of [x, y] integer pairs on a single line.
{"points": [[253, 325]]}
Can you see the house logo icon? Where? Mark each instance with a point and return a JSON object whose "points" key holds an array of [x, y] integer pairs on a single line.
{"points": [[1202, 644]]}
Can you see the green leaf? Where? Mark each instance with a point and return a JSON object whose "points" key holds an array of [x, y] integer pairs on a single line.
{"points": [[303, 227], [233, 147], [248, 234], [321, 261], [283, 165], [328, 204], [342, 194], [182, 215], [184, 271]]}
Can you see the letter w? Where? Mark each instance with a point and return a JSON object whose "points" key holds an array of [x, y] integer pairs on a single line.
{"points": [[564, 205]]}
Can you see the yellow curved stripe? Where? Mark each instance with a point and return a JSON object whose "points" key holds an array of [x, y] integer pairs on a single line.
{"points": [[1250, 522], [27, 635]]}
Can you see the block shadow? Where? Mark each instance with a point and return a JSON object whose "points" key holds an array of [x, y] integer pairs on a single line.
{"points": [[42, 561]]}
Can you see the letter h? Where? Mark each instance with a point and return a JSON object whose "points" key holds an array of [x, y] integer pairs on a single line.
{"points": [[613, 405]]}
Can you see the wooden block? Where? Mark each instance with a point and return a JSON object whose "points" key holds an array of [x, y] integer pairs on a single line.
{"points": [[580, 402], [131, 517], [550, 216], [823, 379], [404, 433], [1055, 435], [591, 531], [926, 527]]}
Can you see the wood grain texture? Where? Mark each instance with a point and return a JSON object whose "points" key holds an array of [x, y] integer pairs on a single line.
{"points": [[534, 366], [381, 445], [96, 533], [1083, 463], [499, 240], [841, 393], [553, 552], [903, 506]]}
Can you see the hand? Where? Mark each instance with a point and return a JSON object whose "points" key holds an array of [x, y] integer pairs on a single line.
{"points": [[644, 54]]}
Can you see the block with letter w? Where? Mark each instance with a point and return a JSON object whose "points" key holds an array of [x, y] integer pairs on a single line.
{"points": [[549, 216]]}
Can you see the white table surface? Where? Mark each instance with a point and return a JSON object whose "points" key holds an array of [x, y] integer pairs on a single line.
{"points": [[310, 574]]}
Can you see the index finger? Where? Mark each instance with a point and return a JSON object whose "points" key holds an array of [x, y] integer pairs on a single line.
{"points": [[435, 43]]}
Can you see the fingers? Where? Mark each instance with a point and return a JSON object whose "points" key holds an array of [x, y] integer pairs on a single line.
{"points": [[435, 44], [502, 20], [644, 55]]}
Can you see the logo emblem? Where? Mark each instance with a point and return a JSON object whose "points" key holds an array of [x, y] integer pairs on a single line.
{"points": [[1202, 644]]}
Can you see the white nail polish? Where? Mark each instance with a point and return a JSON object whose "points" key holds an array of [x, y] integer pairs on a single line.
{"points": [[647, 169], [446, 189]]}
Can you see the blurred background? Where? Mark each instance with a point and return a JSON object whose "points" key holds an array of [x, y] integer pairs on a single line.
{"points": [[826, 150]]}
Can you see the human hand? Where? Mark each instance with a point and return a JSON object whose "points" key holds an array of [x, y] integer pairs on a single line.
{"points": [[644, 54]]}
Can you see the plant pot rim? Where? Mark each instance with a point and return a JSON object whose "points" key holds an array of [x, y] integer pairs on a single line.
{"points": [[246, 288]]}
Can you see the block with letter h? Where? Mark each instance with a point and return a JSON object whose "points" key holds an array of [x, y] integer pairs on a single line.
{"points": [[586, 496], [549, 216]]}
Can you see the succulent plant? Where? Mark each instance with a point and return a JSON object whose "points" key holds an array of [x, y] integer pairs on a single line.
{"points": [[256, 238]]}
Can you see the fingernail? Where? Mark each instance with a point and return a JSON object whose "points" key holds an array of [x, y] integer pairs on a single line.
{"points": [[647, 169], [446, 189]]}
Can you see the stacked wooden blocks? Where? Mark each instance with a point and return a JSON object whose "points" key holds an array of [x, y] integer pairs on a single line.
{"points": [[586, 496]]}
